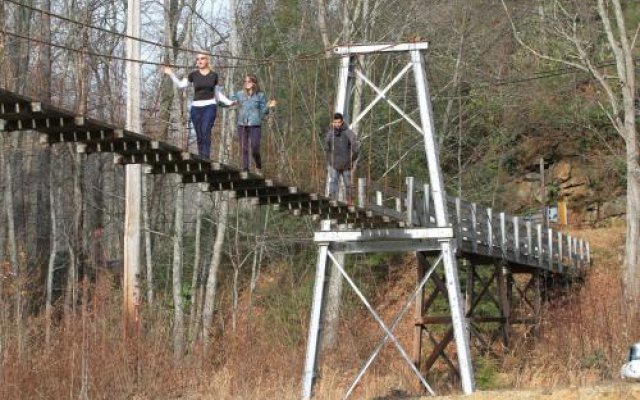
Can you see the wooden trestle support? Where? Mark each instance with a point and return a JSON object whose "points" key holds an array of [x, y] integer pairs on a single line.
{"points": [[498, 301]]}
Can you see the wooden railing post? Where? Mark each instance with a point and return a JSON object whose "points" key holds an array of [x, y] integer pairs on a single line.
{"points": [[570, 251], [516, 237], [540, 249], [503, 234], [460, 232], [550, 244], [362, 192], [490, 229], [560, 252], [427, 201], [529, 242], [474, 227], [409, 201]]}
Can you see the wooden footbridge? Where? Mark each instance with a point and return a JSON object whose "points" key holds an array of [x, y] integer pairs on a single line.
{"points": [[507, 261]]}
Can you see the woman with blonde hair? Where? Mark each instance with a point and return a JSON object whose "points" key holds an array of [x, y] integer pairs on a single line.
{"points": [[252, 108], [204, 105]]}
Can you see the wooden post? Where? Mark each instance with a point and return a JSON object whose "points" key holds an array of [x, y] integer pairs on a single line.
{"points": [[540, 250], [490, 230], [362, 192], [550, 244], [459, 231], [530, 254], [516, 237], [570, 250], [560, 252], [474, 227], [505, 310], [418, 311], [427, 205], [537, 306], [409, 201], [503, 234], [563, 219]]}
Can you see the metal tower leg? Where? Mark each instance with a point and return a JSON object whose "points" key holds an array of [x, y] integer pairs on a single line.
{"points": [[460, 328], [313, 339]]}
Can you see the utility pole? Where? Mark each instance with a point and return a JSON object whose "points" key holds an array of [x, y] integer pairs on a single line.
{"points": [[133, 191]]}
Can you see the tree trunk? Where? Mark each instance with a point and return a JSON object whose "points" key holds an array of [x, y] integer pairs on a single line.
{"points": [[222, 199], [621, 46], [43, 156], [455, 83], [11, 237], [212, 281], [632, 245], [322, 27], [195, 277], [77, 242], [52, 258], [147, 238], [178, 312], [334, 291]]}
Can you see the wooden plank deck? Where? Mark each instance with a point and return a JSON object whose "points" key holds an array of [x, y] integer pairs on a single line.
{"points": [[20, 113]]}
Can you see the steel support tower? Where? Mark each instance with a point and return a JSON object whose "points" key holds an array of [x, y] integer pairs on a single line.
{"points": [[334, 242]]}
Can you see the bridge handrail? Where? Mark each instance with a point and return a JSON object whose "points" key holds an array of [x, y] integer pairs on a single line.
{"points": [[481, 230]]}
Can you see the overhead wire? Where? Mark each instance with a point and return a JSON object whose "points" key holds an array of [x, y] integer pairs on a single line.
{"points": [[265, 62], [257, 61], [300, 57]]}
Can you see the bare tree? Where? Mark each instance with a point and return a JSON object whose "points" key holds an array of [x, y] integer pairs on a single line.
{"points": [[52, 258], [222, 199], [195, 277], [567, 23], [178, 249], [11, 231]]}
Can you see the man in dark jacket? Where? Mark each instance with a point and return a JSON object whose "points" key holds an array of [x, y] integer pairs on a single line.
{"points": [[342, 151]]}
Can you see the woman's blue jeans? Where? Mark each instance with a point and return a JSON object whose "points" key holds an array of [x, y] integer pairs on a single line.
{"points": [[202, 119]]}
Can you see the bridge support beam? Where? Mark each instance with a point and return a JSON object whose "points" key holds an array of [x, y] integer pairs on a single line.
{"points": [[333, 247], [516, 295]]}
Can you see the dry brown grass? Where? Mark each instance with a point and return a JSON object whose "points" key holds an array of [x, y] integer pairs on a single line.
{"points": [[88, 355], [585, 338]]}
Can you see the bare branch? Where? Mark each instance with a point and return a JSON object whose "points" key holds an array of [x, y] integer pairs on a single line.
{"points": [[535, 52], [635, 36], [625, 64]]}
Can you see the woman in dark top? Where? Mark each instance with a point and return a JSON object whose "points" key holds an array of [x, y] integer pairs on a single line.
{"points": [[203, 106], [252, 108]]}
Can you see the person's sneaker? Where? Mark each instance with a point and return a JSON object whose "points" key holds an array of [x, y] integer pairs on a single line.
{"points": [[259, 172]]}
